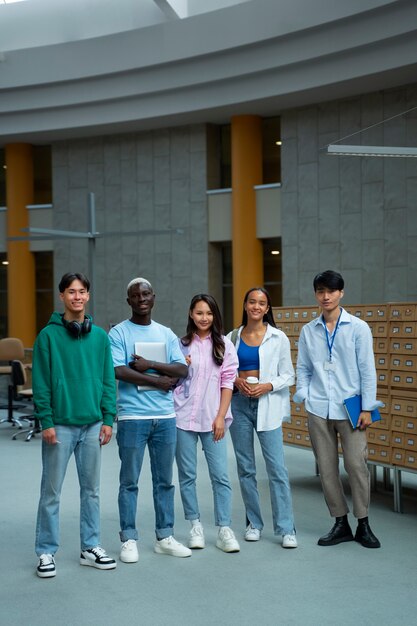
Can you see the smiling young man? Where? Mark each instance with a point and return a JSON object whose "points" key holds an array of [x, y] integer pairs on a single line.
{"points": [[74, 392], [146, 417], [335, 362]]}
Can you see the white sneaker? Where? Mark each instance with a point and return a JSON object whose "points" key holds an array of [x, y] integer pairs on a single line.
{"points": [[289, 541], [252, 533], [129, 552], [226, 540], [196, 539], [46, 567], [171, 546]]}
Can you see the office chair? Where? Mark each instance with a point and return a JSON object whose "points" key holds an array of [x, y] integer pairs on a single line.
{"points": [[19, 379], [11, 349]]}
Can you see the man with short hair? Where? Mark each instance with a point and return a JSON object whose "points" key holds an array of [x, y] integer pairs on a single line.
{"points": [[335, 362], [74, 392], [146, 417]]}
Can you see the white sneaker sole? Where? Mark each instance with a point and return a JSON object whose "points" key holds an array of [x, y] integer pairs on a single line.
{"points": [[46, 574], [227, 549], [181, 555], [98, 565], [129, 559]]}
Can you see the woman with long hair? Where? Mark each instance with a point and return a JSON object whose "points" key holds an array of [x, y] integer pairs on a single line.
{"points": [[260, 405], [202, 406]]}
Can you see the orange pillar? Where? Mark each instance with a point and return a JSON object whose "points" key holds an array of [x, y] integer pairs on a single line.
{"points": [[247, 253], [21, 289]]}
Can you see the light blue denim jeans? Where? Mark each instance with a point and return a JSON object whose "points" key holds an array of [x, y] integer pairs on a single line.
{"points": [[84, 442], [245, 413], [216, 457], [160, 435]]}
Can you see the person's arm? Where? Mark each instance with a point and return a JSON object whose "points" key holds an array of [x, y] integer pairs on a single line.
{"points": [[366, 365], [304, 369], [174, 370], [286, 374], [285, 371], [129, 375], [108, 398], [218, 423], [41, 384], [239, 382], [227, 378], [229, 367], [175, 367]]}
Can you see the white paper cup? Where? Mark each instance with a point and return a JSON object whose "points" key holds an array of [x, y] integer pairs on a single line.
{"points": [[252, 381]]}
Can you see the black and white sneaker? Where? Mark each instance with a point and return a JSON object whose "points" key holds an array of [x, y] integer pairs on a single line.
{"points": [[46, 567], [97, 557]]}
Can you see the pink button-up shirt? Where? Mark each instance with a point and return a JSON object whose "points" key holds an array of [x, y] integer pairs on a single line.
{"points": [[197, 399]]}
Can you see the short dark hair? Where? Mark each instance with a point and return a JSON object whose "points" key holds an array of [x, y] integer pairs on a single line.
{"points": [[329, 280], [69, 278], [268, 317]]}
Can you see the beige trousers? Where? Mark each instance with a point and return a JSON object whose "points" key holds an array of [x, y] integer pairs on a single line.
{"points": [[323, 435]]}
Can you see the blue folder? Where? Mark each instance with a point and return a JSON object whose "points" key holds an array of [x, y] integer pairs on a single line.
{"points": [[353, 408]]}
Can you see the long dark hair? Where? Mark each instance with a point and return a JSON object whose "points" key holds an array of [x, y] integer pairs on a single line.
{"points": [[268, 317], [216, 328]]}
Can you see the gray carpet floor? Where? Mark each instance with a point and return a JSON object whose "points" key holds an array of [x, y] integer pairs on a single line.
{"points": [[263, 584]]}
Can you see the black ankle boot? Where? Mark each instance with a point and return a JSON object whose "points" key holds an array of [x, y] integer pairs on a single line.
{"points": [[365, 536], [340, 532]]}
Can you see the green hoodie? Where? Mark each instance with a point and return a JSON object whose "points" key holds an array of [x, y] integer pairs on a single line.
{"points": [[72, 378]]}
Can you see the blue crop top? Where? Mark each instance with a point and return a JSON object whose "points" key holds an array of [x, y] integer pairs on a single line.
{"points": [[248, 357]]}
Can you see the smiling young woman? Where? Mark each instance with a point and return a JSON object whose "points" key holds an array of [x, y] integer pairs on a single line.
{"points": [[202, 407], [260, 404]]}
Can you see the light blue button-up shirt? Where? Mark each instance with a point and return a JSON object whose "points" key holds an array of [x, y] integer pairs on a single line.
{"points": [[352, 371]]}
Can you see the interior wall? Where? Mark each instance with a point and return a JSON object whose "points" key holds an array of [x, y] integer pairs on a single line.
{"points": [[143, 183], [357, 215]]}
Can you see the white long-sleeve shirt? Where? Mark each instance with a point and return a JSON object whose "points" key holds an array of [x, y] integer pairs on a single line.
{"points": [[275, 367]]}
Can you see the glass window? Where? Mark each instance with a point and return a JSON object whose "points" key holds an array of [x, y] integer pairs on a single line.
{"points": [[273, 269], [2, 178], [227, 286], [44, 288], [221, 150], [272, 276], [42, 175], [271, 150], [225, 157]]}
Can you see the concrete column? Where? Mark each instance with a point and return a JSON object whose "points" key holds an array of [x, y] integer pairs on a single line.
{"points": [[21, 289], [247, 253]]}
